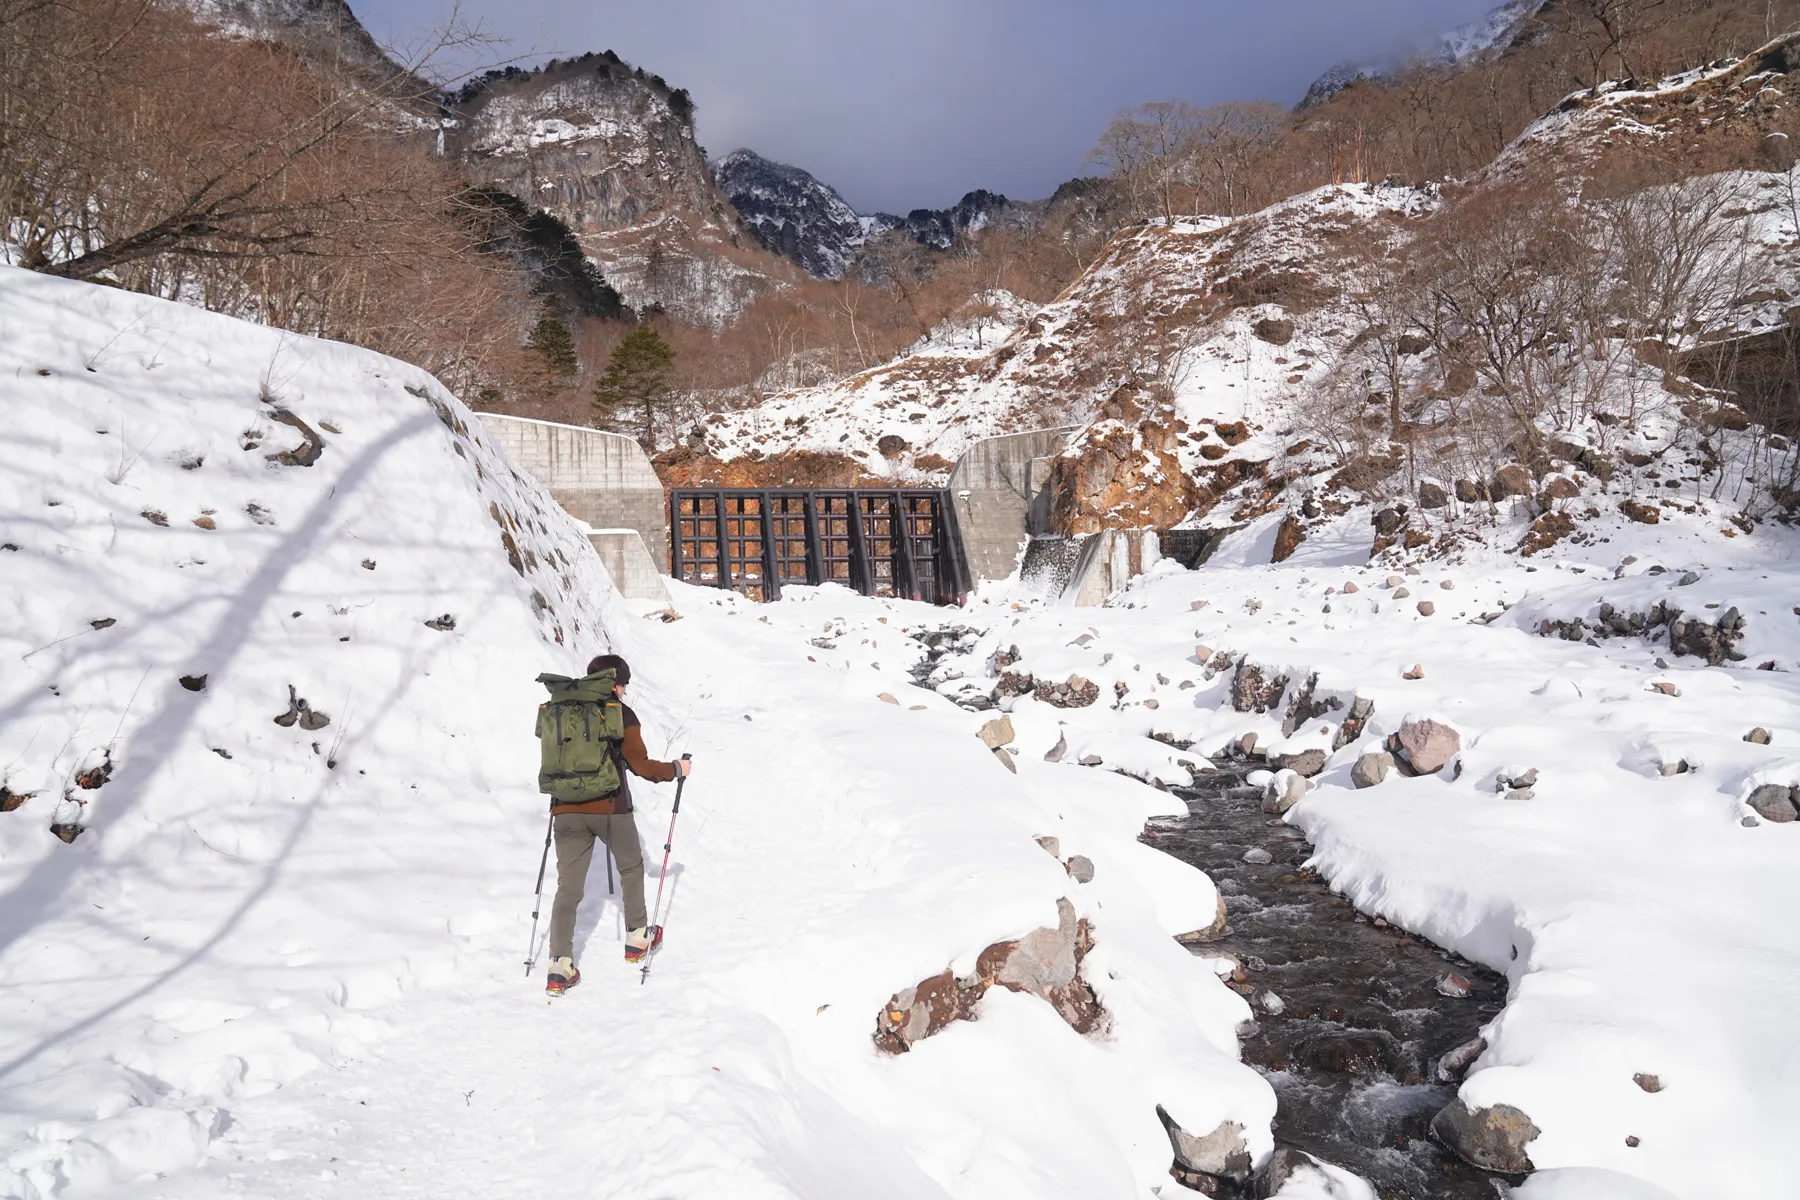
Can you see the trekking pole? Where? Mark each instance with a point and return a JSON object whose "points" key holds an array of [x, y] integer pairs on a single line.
{"points": [[655, 930], [538, 903]]}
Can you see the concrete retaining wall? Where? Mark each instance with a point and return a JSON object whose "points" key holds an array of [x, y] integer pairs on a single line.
{"points": [[629, 563], [998, 490], [602, 478]]}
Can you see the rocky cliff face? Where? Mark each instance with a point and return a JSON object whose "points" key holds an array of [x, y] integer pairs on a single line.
{"points": [[795, 215], [610, 152], [808, 223]]}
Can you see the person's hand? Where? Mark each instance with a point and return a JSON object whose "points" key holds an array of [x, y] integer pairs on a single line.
{"points": [[684, 767]]}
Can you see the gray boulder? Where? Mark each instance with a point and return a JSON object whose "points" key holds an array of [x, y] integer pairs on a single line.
{"points": [[1774, 802], [1287, 789], [1080, 868], [1222, 1154], [1494, 1139], [1371, 768]]}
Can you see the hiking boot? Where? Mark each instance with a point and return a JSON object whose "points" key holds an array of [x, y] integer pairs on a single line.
{"points": [[640, 942], [563, 976]]}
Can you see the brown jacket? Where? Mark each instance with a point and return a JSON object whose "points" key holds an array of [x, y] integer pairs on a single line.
{"points": [[631, 749]]}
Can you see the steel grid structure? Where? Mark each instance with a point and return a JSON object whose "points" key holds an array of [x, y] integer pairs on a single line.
{"points": [[882, 542]]}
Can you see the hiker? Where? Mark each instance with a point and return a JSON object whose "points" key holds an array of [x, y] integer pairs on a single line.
{"points": [[590, 737]]}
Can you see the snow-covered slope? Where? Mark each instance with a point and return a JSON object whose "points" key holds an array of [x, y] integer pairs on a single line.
{"points": [[277, 959]]}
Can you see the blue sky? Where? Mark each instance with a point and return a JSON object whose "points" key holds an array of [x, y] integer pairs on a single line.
{"points": [[911, 103]]}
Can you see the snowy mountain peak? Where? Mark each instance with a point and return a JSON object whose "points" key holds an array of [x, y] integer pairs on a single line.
{"points": [[1497, 29], [809, 223], [795, 215]]}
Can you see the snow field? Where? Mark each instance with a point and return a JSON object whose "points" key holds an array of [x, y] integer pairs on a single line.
{"points": [[297, 970]]}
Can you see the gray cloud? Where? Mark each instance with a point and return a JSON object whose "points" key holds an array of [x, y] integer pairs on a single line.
{"points": [[911, 105]]}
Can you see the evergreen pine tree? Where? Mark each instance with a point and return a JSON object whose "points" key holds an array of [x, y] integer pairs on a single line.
{"points": [[637, 381], [550, 338]]}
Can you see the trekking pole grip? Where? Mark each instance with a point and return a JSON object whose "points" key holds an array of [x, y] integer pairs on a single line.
{"points": [[680, 782]]}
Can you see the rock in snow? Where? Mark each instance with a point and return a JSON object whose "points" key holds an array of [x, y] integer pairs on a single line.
{"points": [[1426, 745], [1372, 768], [1774, 802]]}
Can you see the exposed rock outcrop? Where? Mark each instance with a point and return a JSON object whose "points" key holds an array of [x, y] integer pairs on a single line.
{"points": [[1123, 471], [1494, 1139]]}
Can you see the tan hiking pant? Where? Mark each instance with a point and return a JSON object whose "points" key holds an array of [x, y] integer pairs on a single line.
{"points": [[575, 836]]}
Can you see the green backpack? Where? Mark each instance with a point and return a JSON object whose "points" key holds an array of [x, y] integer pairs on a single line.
{"points": [[580, 730]]}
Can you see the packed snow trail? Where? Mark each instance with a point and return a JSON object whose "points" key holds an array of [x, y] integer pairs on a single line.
{"points": [[255, 920]]}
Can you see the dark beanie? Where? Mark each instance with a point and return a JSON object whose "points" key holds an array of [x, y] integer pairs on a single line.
{"points": [[619, 667]]}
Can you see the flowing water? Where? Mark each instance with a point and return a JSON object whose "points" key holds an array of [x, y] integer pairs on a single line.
{"points": [[1353, 1053]]}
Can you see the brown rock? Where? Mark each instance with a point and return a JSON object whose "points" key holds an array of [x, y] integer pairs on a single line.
{"points": [[1428, 745], [1759, 735], [206, 522], [1006, 758], [1288, 538], [1350, 588], [1559, 487], [1650, 1083], [1643, 514], [1432, 495], [1494, 1139], [1056, 752], [1426, 608], [1307, 762], [891, 446], [1277, 331], [1417, 672], [1512, 480], [1665, 687]]}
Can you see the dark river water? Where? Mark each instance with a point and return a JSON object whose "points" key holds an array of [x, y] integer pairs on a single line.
{"points": [[1362, 1026]]}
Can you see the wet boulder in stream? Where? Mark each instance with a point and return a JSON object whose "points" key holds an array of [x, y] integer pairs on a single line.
{"points": [[1285, 790], [1494, 1138]]}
